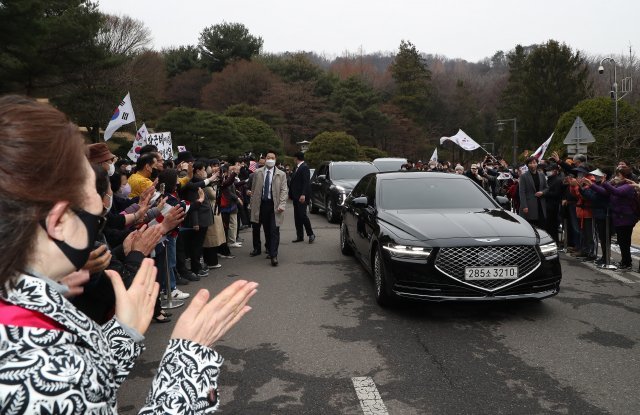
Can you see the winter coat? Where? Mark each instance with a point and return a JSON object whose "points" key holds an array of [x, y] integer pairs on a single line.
{"points": [[215, 233], [621, 202], [279, 193], [199, 213], [583, 205], [528, 199]]}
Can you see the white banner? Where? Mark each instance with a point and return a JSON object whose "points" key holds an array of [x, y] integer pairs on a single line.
{"points": [[163, 142], [463, 140], [434, 156], [123, 115], [141, 140]]}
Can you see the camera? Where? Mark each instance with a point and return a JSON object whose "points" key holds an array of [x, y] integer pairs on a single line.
{"points": [[600, 69]]}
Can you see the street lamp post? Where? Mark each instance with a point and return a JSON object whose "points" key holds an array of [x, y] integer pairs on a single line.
{"points": [[500, 124], [626, 88]]}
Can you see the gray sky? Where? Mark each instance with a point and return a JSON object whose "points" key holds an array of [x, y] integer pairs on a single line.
{"points": [[465, 29]]}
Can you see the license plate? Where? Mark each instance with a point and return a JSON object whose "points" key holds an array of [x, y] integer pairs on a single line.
{"points": [[490, 273]]}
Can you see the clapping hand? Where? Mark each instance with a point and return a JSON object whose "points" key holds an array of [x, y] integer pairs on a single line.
{"points": [[173, 218], [99, 260], [205, 322], [148, 238], [134, 307], [75, 282]]}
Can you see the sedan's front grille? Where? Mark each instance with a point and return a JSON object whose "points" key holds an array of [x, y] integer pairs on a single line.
{"points": [[453, 261]]}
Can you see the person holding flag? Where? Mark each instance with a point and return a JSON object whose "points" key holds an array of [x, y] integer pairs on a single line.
{"points": [[138, 143], [539, 153], [123, 115], [434, 156]]}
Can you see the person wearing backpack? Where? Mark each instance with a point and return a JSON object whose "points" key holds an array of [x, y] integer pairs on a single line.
{"points": [[623, 199]]}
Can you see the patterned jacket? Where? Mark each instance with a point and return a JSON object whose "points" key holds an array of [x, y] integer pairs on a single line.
{"points": [[78, 369]]}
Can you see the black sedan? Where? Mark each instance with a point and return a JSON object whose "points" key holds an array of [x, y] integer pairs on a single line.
{"points": [[332, 182], [439, 236]]}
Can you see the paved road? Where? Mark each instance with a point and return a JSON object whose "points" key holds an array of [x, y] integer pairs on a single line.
{"points": [[315, 341]]}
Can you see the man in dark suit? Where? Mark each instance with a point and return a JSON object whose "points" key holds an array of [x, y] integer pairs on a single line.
{"points": [[300, 193]]}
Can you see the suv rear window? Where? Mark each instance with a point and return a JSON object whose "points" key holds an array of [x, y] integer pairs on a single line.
{"points": [[351, 171]]}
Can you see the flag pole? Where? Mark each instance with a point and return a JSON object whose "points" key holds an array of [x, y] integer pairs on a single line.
{"points": [[489, 154]]}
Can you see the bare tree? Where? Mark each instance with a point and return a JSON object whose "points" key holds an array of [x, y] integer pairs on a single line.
{"points": [[123, 35]]}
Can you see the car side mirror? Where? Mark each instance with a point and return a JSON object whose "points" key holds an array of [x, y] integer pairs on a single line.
{"points": [[322, 177], [360, 202], [504, 202]]}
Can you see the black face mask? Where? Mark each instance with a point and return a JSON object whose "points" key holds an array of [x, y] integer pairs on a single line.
{"points": [[93, 224]]}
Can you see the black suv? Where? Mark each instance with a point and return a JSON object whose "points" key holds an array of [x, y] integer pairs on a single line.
{"points": [[332, 182]]}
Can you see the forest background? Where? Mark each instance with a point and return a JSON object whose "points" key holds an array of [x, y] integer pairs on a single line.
{"points": [[222, 96]]}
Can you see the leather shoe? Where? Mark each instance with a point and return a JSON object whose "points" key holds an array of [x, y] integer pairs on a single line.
{"points": [[298, 240], [312, 238], [254, 253], [274, 261]]}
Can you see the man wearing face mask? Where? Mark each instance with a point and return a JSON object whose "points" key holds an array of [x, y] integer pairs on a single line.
{"points": [[141, 179], [100, 154], [269, 192]]}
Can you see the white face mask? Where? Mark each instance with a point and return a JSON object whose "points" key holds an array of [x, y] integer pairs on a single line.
{"points": [[112, 169], [270, 163], [549, 173]]}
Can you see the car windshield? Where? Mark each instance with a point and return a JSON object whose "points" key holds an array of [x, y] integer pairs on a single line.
{"points": [[351, 171], [389, 165], [432, 193]]}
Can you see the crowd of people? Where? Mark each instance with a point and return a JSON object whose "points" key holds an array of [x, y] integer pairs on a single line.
{"points": [[91, 244], [579, 204], [78, 286]]}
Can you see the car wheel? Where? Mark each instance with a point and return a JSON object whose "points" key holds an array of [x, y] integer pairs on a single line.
{"points": [[330, 211], [312, 206], [344, 245], [383, 298]]}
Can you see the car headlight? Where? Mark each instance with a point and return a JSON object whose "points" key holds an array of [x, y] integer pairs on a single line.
{"points": [[405, 251], [549, 250]]}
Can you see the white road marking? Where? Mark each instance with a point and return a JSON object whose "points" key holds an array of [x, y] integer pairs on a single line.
{"points": [[370, 399], [613, 274], [634, 251]]}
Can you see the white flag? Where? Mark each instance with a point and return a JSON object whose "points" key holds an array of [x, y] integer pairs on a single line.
{"points": [[463, 140], [434, 156], [541, 150], [138, 143], [123, 115]]}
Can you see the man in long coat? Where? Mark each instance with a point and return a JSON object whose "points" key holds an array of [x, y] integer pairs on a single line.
{"points": [[269, 194], [532, 185]]}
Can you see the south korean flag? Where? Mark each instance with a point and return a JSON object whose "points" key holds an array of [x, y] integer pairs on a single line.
{"points": [[123, 115]]}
